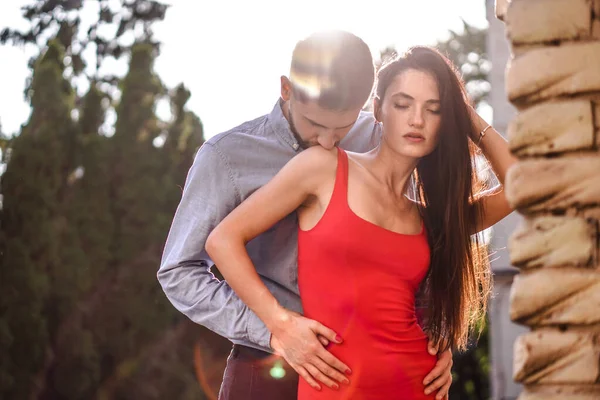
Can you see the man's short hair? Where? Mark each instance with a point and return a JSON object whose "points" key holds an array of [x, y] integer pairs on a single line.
{"points": [[333, 68]]}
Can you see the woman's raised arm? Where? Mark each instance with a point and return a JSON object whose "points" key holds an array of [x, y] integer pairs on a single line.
{"points": [[496, 151]]}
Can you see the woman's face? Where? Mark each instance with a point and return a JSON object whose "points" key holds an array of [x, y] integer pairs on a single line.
{"points": [[411, 113]]}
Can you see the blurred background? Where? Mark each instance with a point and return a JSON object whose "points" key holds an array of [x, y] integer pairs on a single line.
{"points": [[103, 105]]}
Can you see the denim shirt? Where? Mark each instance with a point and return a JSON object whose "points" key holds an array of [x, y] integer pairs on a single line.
{"points": [[227, 169]]}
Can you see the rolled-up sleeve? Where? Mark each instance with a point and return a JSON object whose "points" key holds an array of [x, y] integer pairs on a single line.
{"points": [[209, 194]]}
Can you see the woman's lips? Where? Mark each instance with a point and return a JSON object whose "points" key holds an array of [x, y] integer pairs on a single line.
{"points": [[414, 137]]}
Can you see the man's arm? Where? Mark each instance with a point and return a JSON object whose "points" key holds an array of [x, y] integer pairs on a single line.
{"points": [[210, 193], [295, 337]]}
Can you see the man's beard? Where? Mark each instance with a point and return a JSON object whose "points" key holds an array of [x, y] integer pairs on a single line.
{"points": [[303, 145]]}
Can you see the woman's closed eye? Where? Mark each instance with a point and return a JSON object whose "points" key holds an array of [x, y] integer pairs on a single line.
{"points": [[405, 106]]}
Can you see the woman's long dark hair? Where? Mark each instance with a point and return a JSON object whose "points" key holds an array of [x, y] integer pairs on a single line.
{"points": [[458, 282]]}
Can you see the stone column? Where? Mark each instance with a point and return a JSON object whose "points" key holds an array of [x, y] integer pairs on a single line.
{"points": [[502, 331], [553, 80]]}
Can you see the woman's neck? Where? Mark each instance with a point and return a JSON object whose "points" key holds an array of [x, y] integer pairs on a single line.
{"points": [[392, 169]]}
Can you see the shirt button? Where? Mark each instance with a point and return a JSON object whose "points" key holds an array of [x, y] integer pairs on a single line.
{"points": [[295, 146]]}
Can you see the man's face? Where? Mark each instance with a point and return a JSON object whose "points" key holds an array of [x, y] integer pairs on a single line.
{"points": [[314, 125]]}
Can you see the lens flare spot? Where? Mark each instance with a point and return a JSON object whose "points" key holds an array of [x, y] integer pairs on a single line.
{"points": [[277, 372]]}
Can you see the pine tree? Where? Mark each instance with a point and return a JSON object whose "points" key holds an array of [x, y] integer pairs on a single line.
{"points": [[125, 321], [85, 217], [85, 256], [136, 162], [32, 186]]}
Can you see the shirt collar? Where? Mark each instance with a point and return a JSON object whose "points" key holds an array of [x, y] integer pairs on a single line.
{"points": [[280, 125]]}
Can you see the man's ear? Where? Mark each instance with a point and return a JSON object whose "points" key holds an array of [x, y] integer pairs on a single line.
{"points": [[286, 88]]}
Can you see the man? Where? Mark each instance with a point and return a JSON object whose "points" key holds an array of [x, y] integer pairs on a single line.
{"points": [[331, 78]]}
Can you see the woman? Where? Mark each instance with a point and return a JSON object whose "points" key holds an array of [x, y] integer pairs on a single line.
{"points": [[365, 247]]}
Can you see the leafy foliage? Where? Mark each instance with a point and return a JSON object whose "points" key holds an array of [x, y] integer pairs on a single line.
{"points": [[84, 218]]}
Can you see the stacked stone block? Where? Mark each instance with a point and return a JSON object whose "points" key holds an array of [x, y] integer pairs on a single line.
{"points": [[553, 79]]}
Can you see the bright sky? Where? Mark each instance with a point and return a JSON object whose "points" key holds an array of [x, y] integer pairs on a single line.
{"points": [[230, 54]]}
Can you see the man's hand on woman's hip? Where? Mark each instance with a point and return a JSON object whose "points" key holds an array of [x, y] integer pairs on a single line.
{"points": [[440, 377], [301, 342]]}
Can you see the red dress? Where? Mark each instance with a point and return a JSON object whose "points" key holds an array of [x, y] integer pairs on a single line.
{"points": [[360, 280]]}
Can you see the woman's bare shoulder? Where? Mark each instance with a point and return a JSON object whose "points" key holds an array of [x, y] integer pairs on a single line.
{"points": [[317, 158], [310, 169]]}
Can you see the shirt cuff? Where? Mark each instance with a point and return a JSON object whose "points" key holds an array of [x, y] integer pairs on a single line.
{"points": [[258, 332]]}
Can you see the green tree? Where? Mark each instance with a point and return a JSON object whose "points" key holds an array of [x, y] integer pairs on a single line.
{"points": [[136, 161], [85, 256], [31, 216], [145, 180], [467, 50], [85, 217], [63, 16]]}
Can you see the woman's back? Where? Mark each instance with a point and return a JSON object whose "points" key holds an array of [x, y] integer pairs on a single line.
{"points": [[360, 280]]}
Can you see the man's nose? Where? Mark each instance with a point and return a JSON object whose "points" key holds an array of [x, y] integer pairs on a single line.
{"points": [[327, 141]]}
